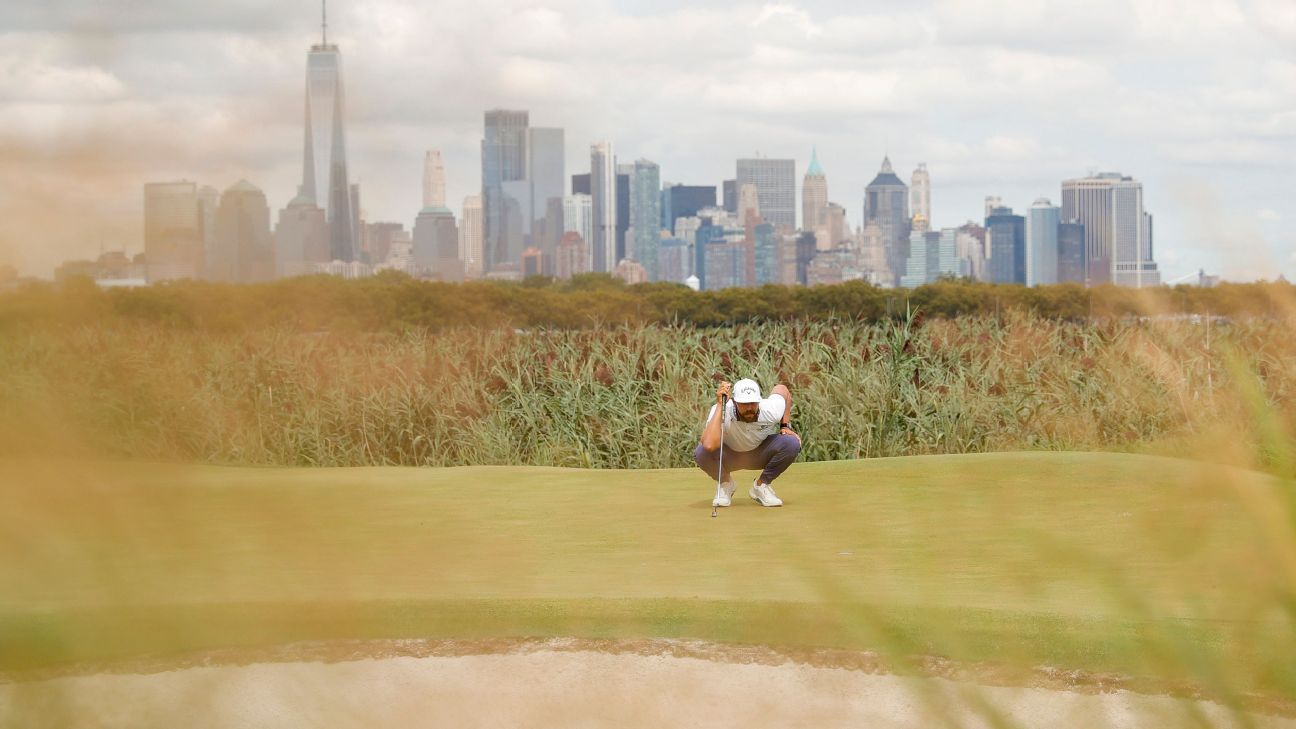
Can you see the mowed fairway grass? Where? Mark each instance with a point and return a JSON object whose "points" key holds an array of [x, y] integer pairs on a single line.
{"points": [[1148, 567]]}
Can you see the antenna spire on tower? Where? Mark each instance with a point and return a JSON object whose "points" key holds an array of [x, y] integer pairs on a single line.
{"points": [[324, 21]]}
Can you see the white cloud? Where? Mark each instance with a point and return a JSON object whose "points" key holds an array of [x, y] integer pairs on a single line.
{"points": [[34, 81], [1277, 18], [825, 91], [543, 32], [1058, 25], [1280, 77], [1005, 147], [1172, 23], [1225, 151], [530, 80], [875, 34], [110, 17], [787, 18]]}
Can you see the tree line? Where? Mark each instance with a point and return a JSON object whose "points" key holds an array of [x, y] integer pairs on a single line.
{"points": [[393, 301]]}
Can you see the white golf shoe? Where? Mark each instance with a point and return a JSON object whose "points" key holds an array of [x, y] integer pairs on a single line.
{"points": [[724, 493], [764, 494]]}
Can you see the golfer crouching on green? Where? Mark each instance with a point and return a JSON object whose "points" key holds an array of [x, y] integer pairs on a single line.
{"points": [[757, 435]]}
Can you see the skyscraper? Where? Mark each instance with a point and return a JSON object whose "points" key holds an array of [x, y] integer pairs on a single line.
{"points": [[434, 184], [208, 201], [886, 204], [1042, 243], [748, 202], [435, 235], [686, 228], [766, 255], [324, 161], [716, 227], [673, 261], [1118, 231], [379, 239], [645, 215], [920, 193], [400, 255], [970, 248], [804, 248], [949, 263], [684, 201], [173, 230], [1088, 202], [923, 264], [357, 223], [604, 208], [436, 244], [504, 160], [775, 181], [749, 216], [470, 236], [785, 258], [814, 197], [572, 257], [667, 222], [243, 251], [1007, 242], [729, 190], [547, 174], [533, 262], [873, 251], [725, 263], [516, 214], [838, 229], [301, 238], [578, 217], [623, 174], [1132, 263], [1071, 253]]}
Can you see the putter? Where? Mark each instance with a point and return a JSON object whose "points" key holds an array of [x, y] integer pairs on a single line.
{"points": [[724, 401]]}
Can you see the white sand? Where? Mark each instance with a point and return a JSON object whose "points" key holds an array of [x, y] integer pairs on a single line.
{"points": [[553, 688]]}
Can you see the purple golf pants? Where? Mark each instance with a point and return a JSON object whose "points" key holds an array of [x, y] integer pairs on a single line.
{"points": [[772, 457]]}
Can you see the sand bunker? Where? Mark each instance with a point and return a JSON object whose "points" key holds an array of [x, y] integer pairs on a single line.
{"points": [[557, 684]]}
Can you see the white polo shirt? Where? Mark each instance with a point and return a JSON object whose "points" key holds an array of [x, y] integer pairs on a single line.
{"points": [[740, 436]]}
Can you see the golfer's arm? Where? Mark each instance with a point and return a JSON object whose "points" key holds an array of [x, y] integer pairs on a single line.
{"points": [[787, 398], [711, 432]]}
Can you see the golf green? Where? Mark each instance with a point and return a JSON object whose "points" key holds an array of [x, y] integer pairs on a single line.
{"points": [[1150, 567]]}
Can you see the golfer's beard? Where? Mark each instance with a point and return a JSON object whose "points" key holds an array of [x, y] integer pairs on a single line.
{"points": [[748, 418]]}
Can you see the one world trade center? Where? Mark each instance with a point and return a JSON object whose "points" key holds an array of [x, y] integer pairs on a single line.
{"points": [[324, 166]]}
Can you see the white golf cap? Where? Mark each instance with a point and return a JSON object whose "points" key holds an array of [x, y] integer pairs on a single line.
{"points": [[746, 391]]}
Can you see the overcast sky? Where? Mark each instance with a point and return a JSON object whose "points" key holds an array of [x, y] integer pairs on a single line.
{"points": [[1195, 98]]}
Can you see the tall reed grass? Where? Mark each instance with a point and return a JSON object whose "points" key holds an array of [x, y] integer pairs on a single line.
{"points": [[635, 397]]}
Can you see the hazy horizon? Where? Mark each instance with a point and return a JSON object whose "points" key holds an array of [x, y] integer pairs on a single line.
{"points": [[1197, 102]]}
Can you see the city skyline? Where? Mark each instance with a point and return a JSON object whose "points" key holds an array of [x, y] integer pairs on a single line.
{"points": [[1208, 190]]}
